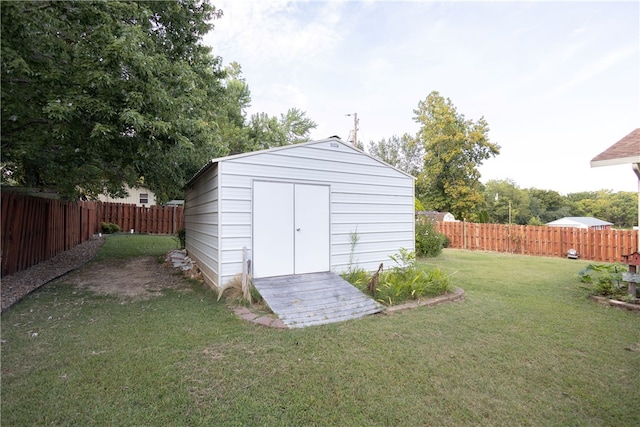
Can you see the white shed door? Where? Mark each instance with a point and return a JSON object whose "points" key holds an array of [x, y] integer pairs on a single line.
{"points": [[312, 228], [290, 228]]}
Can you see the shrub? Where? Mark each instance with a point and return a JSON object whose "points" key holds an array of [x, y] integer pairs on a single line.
{"points": [[605, 279], [429, 242], [109, 228]]}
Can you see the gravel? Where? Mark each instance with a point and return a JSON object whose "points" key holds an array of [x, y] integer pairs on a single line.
{"points": [[22, 283]]}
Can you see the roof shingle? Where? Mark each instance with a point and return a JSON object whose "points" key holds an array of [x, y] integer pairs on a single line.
{"points": [[625, 151]]}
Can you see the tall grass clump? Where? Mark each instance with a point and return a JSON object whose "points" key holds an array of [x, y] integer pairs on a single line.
{"points": [[404, 281]]}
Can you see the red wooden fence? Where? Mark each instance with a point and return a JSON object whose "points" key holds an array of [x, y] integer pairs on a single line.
{"points": [[35, 229], [596, 245]]}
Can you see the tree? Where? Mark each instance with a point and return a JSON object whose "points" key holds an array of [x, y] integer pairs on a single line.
{"points": [[547, 205], [620, 208], [401, 152], [507, 202], [269, 131], [454, 150], [105, 94], [262, 130]]}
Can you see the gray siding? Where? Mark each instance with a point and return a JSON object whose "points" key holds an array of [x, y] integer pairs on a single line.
{"points": [[201, 220]]}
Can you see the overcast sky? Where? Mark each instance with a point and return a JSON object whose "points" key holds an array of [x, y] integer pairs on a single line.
{"points": [[558, 82]]}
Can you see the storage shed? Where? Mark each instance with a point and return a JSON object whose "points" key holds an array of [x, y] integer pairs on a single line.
{"points": [[296, 209]]}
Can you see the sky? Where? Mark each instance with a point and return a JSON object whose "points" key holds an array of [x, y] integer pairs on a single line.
{"points": [[558, 82]]}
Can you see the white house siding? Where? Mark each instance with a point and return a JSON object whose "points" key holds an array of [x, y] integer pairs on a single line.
{"points": [[201, 221], [366, 196], [133, 197]]}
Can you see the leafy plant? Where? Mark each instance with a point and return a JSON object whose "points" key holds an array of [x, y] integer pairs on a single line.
{"points": [[429, 242], [404, 281], [357, 276], [354, 237], [109, 228], [181, 237], [604, 278]]}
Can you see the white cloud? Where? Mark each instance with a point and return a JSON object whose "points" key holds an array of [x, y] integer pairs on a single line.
{"points": [[275, 30]]}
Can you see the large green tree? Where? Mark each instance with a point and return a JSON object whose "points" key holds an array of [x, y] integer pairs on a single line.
{"points": [[455, 148], [506, 202], [99, 94]]}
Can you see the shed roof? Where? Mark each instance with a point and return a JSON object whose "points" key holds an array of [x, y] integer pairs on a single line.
{"points": [[579, 220], [625, 151], [332, 139]]}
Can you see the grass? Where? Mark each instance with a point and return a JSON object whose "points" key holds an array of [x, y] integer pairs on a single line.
{"points": [[526, 347], [125, 246]]}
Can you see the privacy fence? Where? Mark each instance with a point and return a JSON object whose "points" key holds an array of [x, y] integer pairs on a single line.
{"points": [[596, 245], [35, 229]]}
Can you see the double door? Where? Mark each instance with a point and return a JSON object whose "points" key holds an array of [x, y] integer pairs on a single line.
{"points": [[290, 228]]}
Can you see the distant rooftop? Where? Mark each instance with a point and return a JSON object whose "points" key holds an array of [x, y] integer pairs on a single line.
{"points": [[583, 220]]}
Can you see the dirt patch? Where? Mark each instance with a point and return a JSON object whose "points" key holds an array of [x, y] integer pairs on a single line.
{"points": [[138, 279]]}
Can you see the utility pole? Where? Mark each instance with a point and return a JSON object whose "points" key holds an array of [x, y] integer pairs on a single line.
{"points": [[355, 128]]}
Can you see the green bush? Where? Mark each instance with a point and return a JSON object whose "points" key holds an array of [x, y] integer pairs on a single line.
{"points": [[605, 279], [429, 242], [109, 228]]}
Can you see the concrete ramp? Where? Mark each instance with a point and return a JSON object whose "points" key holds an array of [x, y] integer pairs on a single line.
{"points": [[314, 299]]}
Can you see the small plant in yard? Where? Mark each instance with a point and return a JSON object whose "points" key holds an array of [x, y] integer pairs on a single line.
{"points": [[357, 276], [181, 237], [109, 228], [429, 242], [604, 279], [404, 281]]}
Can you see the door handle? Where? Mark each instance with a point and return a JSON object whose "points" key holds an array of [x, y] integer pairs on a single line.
{"points": [[297, 229]]}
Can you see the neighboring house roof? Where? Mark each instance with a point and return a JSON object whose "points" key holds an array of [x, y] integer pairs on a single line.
{"points": [[625, 151], [334, 140], [435, 215], [578, 221]]}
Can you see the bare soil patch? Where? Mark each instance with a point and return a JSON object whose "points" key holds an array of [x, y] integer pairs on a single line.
{"points": [[138, 279]]}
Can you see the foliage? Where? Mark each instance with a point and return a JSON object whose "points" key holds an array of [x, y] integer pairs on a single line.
{"points": [[402, 152], [357, 276], [537, 207], [604, 279], [406, 281], [266, 131], [109, 228], [454, 148], [181, 237], [506, 201], [354, 238], [105, 93], [429, 242]]}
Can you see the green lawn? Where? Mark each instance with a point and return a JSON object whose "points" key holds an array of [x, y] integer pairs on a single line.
{"points": [[526, 347]]}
